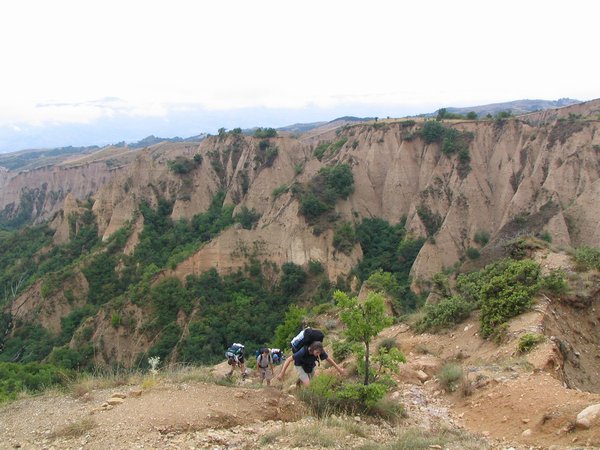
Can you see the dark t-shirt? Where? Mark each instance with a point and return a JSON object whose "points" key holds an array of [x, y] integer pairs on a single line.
{"points": [[306, 360]]}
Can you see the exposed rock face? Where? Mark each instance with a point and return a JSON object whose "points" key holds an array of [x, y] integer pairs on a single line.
{"points": [[516, 167], [47, 187], [523, 176]]}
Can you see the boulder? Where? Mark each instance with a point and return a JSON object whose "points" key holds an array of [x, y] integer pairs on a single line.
{"points": [[588, 417]]}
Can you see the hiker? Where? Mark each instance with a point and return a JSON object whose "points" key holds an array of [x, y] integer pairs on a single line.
{"points": [[235, 358], [277, 356], [305, 361], [306, 337], [264, 366]]}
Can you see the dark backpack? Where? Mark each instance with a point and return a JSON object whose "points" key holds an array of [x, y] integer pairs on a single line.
{"points": [[306, 337], [235, 351]]}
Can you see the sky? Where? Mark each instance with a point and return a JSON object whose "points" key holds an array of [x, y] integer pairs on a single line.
{"points": [[93, 72]]}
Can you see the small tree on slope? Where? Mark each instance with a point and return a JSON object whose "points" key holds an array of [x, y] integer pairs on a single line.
{"points": [[364, 320]]}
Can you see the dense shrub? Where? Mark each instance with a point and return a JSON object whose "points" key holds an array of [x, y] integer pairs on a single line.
{"points": [[472, 253], [432, 131], [329, 185], [588, 257], [31, 377], [326, 394], [555, 282], [344, 238], [182, 165], [528, 341], [289, 327], [431, 221], [482, 238], [263, 133], [247, 218], [508, 294], [447, 313], [320, 150], [292, 279], [451, 376]]}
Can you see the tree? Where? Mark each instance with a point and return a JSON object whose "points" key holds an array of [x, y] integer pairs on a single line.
{"points": [[363, 319]]}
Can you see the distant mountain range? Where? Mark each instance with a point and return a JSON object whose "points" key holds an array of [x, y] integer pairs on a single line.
{"points": [[516, 107]]}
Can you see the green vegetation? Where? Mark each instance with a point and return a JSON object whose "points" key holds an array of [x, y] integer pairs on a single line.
{"points": [[444, 314], [388, 249], [344, 238], [326, 394], [453, 142], [265, 133], [267, 153], [280, 190], [431, 221], [329, 185], [329, 149], [451, 376], [364, 320], [31, 377], [528, 341], [247, 218], [588, 258], [182, 165], [482, 238]]}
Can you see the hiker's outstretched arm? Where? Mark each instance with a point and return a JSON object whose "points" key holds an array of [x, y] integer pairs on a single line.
{"points": [[334, 364], [284, 368]]}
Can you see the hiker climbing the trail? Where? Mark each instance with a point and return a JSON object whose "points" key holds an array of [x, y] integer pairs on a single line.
{"points": [[277, 356], [308, 351], [264, 366], [235, 358]]}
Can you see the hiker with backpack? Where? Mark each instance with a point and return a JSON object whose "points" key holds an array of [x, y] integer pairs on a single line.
{"points": [[305, 361], [235, 358], [307, 348], [264, 366]]}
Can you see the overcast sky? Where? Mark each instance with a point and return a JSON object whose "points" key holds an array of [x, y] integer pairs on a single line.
{"points": [[78, 62]]}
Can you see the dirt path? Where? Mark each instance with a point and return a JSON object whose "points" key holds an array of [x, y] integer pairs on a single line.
{"points": [[147, 421]]}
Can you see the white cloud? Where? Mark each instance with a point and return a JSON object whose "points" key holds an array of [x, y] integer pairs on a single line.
{"points": [[155, 56]]}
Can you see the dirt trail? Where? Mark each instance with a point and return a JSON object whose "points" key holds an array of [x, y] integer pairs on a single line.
{"points": [[147, 421]]}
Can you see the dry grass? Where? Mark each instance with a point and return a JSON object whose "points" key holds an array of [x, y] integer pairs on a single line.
{"points": [[75, 429], [419, 439], [324, 433]]}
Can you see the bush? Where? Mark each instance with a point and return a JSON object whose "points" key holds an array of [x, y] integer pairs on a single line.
{"points": [[320, 150], [473, 253], [555, 282], [326, 395], [451, 376], [182, 166], [432, 131], [34, 377], [482, 238], [447, 313], [293, 278], [588, 257], [291, 325], [341, 350], [344, 238], [508, 294], [247, 218], [528, 341], [279, 190], [263, 133], [315, 267]]}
